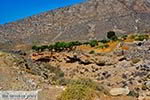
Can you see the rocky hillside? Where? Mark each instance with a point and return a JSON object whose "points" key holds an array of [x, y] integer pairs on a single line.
{"points": [[88, 20], [120, 71]]}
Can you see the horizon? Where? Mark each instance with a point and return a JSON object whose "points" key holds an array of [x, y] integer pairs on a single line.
{"points": [[13, 10]]}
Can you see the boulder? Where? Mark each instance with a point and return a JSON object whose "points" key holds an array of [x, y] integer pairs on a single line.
{"points": [[119, 91], [148, 84]]}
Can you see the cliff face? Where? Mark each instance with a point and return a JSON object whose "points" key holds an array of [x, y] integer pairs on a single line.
{"points": [[88, 20]]}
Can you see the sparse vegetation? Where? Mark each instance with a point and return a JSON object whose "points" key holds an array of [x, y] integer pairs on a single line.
{"points": [[133, 93], [104, 41], [58, 73], [92, 43], [139, 37], [81, 89], [58, 46], [124, 37], [135, 60], [111, 36], [103, 46]]}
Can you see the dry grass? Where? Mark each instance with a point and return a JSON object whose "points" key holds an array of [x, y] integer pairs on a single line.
{"points": [[125, 48], [86, 48]]}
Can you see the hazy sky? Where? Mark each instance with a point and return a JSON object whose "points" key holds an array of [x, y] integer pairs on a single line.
{"points": [[11, 10]]}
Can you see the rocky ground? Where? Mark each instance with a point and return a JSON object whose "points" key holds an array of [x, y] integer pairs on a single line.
{"points": [[124, 72]]}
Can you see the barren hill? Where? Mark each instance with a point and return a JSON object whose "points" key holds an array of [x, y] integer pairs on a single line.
{"points": [[88, 20]]}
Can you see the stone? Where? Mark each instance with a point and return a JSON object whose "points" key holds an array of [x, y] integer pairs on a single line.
{"points": [[119, 91], [147, 93], [143, 98], [148, 84], [140, 98]]}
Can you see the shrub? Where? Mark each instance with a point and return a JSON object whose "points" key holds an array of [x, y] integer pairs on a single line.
{"points": [[104, 41], [85, 82], [124, 37], [104, 46], [42, 48], [112, 35], [81, 89], [135, 60], [50, 47], [92, 43], [132, 36], [57, 71], [133, 93], [141, 37], [63, 81], [39, 48], [77, 92], [35, 48], [76, 43], [92, 52], [86, 43], [61, 74]]}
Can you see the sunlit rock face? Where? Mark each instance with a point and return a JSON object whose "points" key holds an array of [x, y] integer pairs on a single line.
{"points": [[89, 20]]}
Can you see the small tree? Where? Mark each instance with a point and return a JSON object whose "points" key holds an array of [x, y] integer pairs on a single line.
{"points": [[50, 47], [112, 35], [35, 48], [42, 48], [93, 43]]}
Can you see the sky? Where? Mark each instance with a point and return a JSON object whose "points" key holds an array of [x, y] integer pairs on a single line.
{"points": [[12, 10]]}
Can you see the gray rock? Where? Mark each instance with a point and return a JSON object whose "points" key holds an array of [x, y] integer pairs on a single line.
{"points": [[119, 91], [148, 84]]}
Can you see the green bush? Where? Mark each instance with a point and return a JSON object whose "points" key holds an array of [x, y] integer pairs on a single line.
{"points": [[92, 43], [39, 48], [124, 37], [133, 93], [86, 43], [78, 90], [104, 46], [63, 81], [104, 41], [92, 52], [44, 47], [50, 47], [141, 37], [76, 43], [59, 46], [81, 89], [57, 71], [135, 60], [35, 48], [112, 35]]}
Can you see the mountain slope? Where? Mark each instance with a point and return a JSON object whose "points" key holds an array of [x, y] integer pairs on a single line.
{"points": [[88, 20]]}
